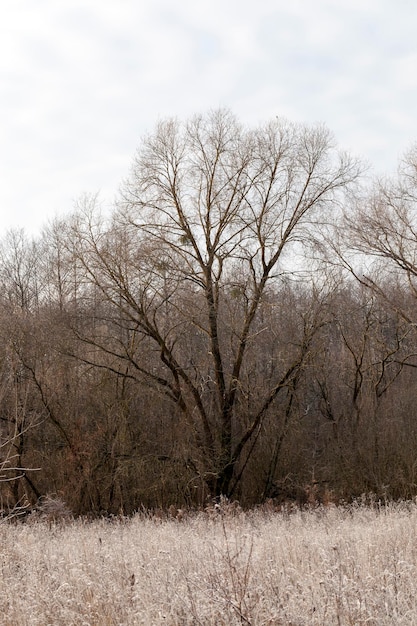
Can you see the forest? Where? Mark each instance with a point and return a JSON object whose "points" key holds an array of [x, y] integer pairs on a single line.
{"points": [[241, 323]]}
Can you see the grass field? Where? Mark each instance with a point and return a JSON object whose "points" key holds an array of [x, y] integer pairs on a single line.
{"points": [[344, 566]]}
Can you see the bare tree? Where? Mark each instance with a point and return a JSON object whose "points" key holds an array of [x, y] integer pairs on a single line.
{"points": [[384, 228], [211, 218], [19, 263]]}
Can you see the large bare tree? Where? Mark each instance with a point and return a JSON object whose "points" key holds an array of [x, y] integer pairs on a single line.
{"points": [[211, 220]]}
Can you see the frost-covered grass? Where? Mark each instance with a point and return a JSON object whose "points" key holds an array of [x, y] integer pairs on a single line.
{"points": [[355, 565]]}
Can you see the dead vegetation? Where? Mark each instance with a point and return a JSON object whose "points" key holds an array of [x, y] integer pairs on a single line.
{"points": [[328, 565]]}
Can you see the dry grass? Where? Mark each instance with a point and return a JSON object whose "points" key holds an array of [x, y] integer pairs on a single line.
{"points": [[341, 566]]}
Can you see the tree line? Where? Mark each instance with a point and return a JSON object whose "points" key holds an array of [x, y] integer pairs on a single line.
{"points": [[240, 323]]}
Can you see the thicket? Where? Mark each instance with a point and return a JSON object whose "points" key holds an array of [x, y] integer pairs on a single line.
{"points": [[241, 323]]}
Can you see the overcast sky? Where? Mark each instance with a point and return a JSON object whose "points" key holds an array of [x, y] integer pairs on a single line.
{"points": [[82, 80]]}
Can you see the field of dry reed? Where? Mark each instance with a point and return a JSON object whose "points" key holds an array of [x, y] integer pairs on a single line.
{"points": [[336, 565]]}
